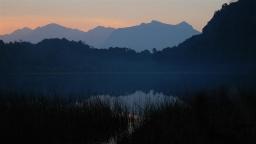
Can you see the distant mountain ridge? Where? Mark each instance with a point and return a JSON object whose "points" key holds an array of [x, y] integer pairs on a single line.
{"points": [[226, 45], [94, 37], [151, 35], [144, 36]]}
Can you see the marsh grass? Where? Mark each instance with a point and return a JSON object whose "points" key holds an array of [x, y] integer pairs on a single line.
{"points": [[36, 119], [220, 116], [209, 117]]}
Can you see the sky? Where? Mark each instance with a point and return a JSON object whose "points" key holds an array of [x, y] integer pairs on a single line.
{"points": [[87, 14]]}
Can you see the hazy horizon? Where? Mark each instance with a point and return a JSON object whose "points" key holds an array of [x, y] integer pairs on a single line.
{"points": [[53, 23], [85, 15]]}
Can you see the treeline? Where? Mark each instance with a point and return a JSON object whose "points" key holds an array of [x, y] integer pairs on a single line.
{"points": [[61, 55]]}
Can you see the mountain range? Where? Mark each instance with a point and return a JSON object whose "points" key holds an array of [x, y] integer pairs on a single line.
{"points": [[226, 45], [94, 37], [144, 36], [151, 35]]}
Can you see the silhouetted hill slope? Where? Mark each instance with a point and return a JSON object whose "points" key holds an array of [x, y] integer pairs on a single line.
{"points": [[228, 40], [61, 55], [150, 35]]}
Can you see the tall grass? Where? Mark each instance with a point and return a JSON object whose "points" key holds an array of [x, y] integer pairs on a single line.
{"points": [[207, 117], [36, 119], [213, 117]]}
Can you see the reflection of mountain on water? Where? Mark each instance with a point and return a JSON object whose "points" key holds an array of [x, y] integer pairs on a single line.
{"points": [[121, 84], [139, 100]]}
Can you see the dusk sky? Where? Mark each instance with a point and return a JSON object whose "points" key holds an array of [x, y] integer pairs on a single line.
{"points": [[86, 14]]}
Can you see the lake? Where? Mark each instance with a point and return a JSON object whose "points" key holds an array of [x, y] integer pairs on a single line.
{"points": [[117, 84]]}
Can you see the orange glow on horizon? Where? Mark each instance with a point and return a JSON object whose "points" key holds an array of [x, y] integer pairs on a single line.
{"points": [[85, 14], [9, 25]]}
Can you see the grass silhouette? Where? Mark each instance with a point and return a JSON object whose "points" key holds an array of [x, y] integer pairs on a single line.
{"points": [[58, 120], [218, 116], [207, 117]]}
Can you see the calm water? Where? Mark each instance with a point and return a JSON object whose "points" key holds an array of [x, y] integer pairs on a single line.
{"points": [[119, 84]]}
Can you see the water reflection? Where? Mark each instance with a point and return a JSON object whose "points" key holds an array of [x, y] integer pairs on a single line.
{"points": [[139, 100]]}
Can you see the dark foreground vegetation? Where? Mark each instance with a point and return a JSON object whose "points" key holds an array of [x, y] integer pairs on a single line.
{"points": [[221, 116], [33, 119], [206, 118]]}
